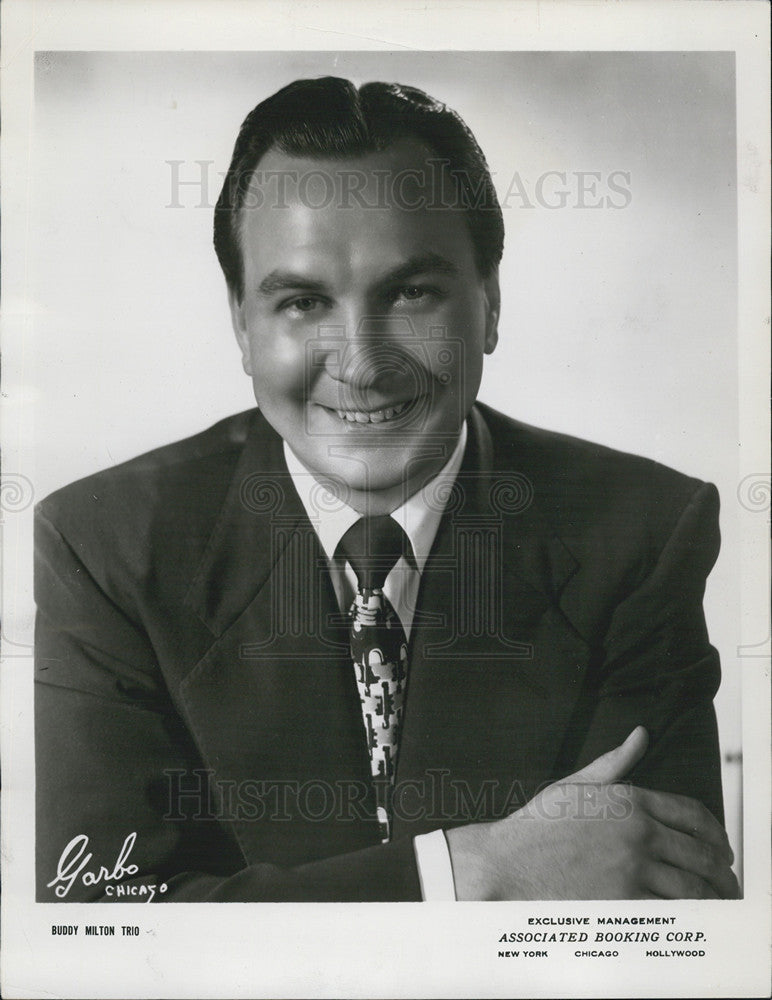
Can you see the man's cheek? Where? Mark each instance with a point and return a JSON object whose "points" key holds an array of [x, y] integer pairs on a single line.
{"points": [[280, 368], [447, 361]]}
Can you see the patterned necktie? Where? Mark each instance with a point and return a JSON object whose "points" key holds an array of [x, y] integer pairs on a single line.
{"points": [[378, 648]]}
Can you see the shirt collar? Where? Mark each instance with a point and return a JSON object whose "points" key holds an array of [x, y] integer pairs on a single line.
{"points": [[419, 515]]}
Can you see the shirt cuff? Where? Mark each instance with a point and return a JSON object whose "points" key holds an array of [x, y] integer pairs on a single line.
{"points": [[434, 869]]}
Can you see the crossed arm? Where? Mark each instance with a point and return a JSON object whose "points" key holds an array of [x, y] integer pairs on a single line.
{"points": [[591, 837], [621, 826]]}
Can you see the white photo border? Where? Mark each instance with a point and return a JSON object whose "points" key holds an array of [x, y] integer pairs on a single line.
{"points": [[288, 950]]}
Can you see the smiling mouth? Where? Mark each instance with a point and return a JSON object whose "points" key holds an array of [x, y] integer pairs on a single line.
{"points": [[382, 415]]}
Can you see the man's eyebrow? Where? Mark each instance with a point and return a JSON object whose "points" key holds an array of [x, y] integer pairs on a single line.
{"points": [[420, 264], [280, 281]]}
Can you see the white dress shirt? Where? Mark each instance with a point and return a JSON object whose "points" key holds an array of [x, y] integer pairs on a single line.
{"points": [[419, 517]]}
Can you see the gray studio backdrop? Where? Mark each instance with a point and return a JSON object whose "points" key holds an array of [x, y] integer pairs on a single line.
{"points": [[617, 176]]}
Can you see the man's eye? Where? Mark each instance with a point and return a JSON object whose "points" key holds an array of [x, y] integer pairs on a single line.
{"points": [[302, 304], [412, 293]]}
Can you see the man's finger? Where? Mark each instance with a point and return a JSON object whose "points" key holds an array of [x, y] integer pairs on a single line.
{"points": [[673, 883], [696, 856], [614, 765], [679, 812]]}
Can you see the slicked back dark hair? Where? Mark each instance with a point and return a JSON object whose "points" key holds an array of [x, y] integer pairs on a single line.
{"points": [[329, 117]]}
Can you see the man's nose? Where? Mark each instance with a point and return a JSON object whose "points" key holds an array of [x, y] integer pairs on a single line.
{"points": [[368, 348]]}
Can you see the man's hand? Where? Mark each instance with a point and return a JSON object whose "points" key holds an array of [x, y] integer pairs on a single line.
{"points": [[589, 836]]}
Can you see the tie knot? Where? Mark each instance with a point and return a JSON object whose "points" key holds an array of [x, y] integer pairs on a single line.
{"points": [[373, 545]]}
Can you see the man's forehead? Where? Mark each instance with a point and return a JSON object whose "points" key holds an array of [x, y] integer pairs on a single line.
{"points": [[364, 215], [406, 175]]}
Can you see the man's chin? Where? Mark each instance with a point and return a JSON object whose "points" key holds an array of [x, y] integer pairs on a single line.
{"points": [[388, 473]]}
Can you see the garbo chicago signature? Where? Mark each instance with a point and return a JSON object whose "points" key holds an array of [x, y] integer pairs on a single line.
{"points": [[74, 860]]}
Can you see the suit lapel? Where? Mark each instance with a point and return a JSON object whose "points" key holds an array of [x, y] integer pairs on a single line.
{"points": [[273, 702], [495, 668]]}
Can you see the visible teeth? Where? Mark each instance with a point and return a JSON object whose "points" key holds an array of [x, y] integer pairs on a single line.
{"points": [[372, 417]]}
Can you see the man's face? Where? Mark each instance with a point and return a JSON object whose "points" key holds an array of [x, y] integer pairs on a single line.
{"points": [[363, 324]]}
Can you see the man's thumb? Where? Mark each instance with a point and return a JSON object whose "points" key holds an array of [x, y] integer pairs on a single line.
{"points": [[614, 765]]}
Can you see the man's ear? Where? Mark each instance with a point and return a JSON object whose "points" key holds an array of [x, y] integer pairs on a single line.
{"points": [[492, 308], [238, 319]]}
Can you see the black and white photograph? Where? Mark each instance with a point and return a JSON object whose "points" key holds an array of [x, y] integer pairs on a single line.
{"points": [[385, 502]]}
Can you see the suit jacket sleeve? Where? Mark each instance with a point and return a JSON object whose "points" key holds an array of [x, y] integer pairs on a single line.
{"points": [[658, 668], [106, 731]]}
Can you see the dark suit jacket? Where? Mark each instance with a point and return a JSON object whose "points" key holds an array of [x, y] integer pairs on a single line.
{"points": [[194, 687]]}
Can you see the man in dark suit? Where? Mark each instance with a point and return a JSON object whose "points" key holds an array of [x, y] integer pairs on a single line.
{"points": [[543, 727]]}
